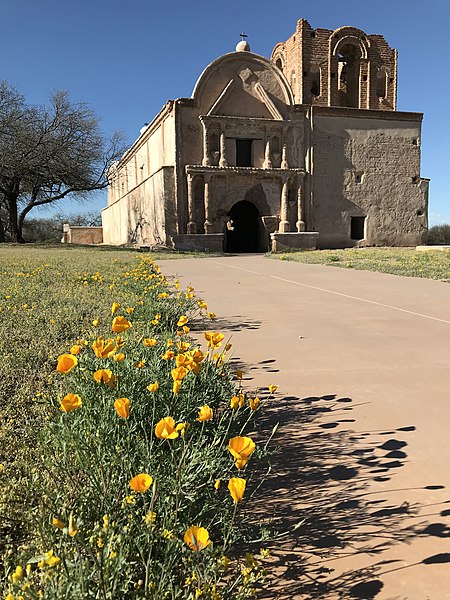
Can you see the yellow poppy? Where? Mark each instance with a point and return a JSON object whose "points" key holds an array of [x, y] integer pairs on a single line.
{"points": [[95, 322], [234, 402], [241, 448], [254, 402], [153, 387], [236, 486], [119, 357], [205, 413], [66, 362], [115, 307], [140, 364], [72, 529], [122, 406], [197, 538], [272, 388], [179, 373], [129, 310], [70, 402], [168, 355], [141, 483], [239, 374], [182, 321], [120, 341], [202, 304], [75, 349], [149, 342], [57, 523], [105, 376], [120, 324], [214, 339], [166, 429], [211, 315], [103, 348], [217, 484]]}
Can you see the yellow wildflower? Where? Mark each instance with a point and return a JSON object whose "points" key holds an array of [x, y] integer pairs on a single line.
{"points": [[241, 448], [105, 376], [57, 523], [205, 413], [70, 402], [141, 483], [236, 486], [254, 402], [66, 362], [197, 538], [115, 307], [165, 429], [122, 406], [120, 324]]}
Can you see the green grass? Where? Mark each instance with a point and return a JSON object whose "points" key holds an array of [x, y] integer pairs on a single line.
{"points": [[407, 262]]}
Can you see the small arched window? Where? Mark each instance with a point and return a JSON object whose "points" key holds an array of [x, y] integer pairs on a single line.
{"points": [[279, 63], [315, 80], [381, 83]]}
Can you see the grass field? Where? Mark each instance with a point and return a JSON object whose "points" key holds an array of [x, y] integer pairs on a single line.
{"points": [[433, 264], [102, 496]]}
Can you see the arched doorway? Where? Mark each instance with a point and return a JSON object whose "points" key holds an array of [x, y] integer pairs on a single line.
{"points": [[243, 228]]}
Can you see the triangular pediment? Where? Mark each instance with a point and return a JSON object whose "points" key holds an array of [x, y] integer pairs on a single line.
{"points": [[244, 96]]}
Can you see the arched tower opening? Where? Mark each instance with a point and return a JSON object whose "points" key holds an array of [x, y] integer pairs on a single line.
{"points": [[349, 59]]}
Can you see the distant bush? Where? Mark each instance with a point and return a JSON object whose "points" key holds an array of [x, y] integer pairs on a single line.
{"points": [[439, 234]]}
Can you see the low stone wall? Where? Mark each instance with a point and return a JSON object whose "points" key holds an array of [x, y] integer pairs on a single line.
{"points": [[290, 242], [82, 235]]}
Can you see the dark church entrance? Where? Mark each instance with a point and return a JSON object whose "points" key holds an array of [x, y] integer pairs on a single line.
{"points": [[243, 228]]}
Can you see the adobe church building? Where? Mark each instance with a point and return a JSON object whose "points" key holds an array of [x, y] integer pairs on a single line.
{"points": [[303, 150]]}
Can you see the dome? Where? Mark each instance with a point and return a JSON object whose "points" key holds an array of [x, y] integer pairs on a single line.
{"points": [[243, 46]]}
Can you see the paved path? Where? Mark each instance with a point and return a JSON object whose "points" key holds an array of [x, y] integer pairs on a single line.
{"points": [[362, 361]]}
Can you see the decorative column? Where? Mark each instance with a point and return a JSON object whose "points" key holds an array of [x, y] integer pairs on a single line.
{"points": [[208, 226], [223, 157], [284, 223], [301, 226], [284, 161], [267, 159], [191, 226], [205, 162]]}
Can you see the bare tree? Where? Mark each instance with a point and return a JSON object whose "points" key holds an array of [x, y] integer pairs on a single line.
{"points": [[48, 153]]}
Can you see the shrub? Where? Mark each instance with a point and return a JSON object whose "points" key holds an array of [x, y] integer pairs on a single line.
{"points": [[439, 234]]}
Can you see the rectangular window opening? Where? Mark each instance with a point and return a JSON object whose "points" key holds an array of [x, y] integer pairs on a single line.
{"points": [[244, 153], [357, 228]]}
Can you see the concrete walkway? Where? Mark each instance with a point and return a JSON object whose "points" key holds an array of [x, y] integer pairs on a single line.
{"points": [[362, 361]]}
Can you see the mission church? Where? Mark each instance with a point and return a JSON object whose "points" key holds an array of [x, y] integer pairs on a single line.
{"points": [[300, 151]]}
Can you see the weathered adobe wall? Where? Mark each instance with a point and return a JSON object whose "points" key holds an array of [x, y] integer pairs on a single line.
{"points": [[142, 191], [384, 155], [143, 215], [155, 148]]}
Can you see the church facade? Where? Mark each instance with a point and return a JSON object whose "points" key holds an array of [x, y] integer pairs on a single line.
{"points": [[302, 150]]}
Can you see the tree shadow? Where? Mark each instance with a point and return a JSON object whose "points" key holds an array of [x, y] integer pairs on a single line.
{"points": [[317, 503]]}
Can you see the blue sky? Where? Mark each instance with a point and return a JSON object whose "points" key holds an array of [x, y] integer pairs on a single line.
{"points": [[127, 58]]}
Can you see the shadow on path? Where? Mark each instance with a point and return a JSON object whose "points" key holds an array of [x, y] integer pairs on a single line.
{"points": [[320, 476]]}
